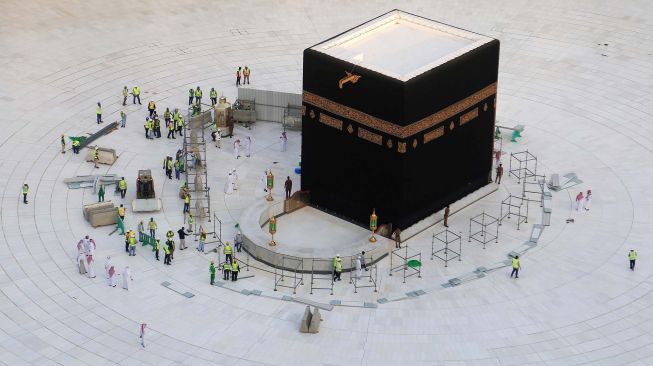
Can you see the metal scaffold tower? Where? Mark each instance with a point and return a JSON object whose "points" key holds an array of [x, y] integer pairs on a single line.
{"points": [[443, 246], [194, 150], [320, 280]]}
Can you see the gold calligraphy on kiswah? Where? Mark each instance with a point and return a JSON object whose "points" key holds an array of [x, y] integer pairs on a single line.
{"points": [[330, 121], [393, 128]]}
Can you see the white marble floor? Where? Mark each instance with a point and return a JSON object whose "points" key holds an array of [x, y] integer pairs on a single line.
{"points": [[576, 74]]}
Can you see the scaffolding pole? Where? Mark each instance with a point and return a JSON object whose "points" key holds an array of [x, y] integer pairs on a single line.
{"points": [[446, 253], [483, 235], [406, 260]]}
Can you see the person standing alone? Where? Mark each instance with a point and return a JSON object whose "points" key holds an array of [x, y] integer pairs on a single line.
{"points": [[25, 191], [288, 186], [499, 174], [632, 257], [515, 267], [98, 113]]}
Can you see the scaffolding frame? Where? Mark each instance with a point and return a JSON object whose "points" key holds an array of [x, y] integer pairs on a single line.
{"points": [[524, 160], [444, 252], [194, 141], [513, 207], [527, 193], [403, 259], [316, 276], [370, 273], [297, 273], [483, 236]]}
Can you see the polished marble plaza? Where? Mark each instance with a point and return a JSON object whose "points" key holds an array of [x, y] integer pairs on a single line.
{"points": [[576, 74]]}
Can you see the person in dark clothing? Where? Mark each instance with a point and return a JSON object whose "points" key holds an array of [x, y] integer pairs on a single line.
{"points": [[288, 186], [182, 238]]}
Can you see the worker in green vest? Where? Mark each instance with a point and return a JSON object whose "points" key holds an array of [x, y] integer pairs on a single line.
{"points": [[214, 96], [25, 190], [152, 226], [191, 221], [136, 92], [191, 94], [156, 248], [632, 257], [123, 187], [212, 272], [198, 95], [226, 271], [516, 266], [150, 128], [100, 193], [228, 256], [63, 144], [180, 124], [98, 113], [141, 230], [121, 212], [234, 270]]}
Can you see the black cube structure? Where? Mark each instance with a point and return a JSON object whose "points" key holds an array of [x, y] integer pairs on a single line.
{"points": [[399, 117]]}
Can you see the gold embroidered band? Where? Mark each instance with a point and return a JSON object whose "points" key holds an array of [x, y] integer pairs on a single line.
{"points": [[330, 121], [392, 128], [430, 136], [370, 136], [469, 116]]}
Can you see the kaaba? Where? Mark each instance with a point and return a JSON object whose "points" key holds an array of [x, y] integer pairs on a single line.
{"points": [[398, 117]]}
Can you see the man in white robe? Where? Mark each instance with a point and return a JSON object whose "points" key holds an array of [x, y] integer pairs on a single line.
{"points": [[126, 278], [588, 199], [248, 146], [110, 272], [142, 334], [264, 181], [229, 185], [284, 141], [236, 149], [218, 137], [235, 178], [90, 256], [359, 270], [81, 262]]}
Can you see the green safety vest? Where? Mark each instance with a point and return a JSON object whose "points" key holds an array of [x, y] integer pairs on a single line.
{"points": [[98, 110], [123, 184], [234, 267], [166, 248], [191, 92], [198, 93], [227, 266], [515, 263], [190, 220], [227, 249], [338, 266], [632, 255], [156, 245], [136, 90], [170, 234], [214, 94], [132, 242], [187, 200], [151, 225]]}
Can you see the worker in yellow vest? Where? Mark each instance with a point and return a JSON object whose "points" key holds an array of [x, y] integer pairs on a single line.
{"points": [[141, 230], [98, 113], [234, 270], [191, 221], [123, 187], [156, 248], [151, 107], [632, 257], [516, 266], [228, 254], [121, 213], [187, 203], [191, 94], [136, 92], [150, 128], [214, 96], [226, 270], [152, 226], [25, 191], [171, 129], [180, 124], [63, 144], [132, 246], [167, 251], [198, 95], [127, 235], [76, 144]]}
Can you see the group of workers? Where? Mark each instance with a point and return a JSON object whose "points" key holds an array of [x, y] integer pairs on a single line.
{"points": [[230, 267]]}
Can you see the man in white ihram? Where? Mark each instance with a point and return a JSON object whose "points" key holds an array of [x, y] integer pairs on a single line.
{"points": [[229, 185], [90, 247], [236, 149], [126, 278]]}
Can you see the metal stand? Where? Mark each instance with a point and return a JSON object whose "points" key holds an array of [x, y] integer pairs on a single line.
{"points": [[296, 273], [445, 253], [533, 190], [406, 259], [316, 276], [513, 206], [525, 165], [368, 273], [484, 236]]}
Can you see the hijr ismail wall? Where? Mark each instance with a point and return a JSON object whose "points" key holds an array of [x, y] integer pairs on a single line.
{"points": [[404, 147]]}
